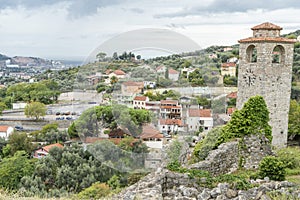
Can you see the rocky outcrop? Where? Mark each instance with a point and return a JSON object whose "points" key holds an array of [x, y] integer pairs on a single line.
{"points": [[220, 161], [167, 185], [246, 153]]}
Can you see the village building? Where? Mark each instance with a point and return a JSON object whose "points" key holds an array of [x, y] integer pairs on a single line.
{"points": [[139, 102], [228, 69], [170, 126], [173, 74], [199, 118], [44, 151], [170, 109], [131, 88], [6, 131]]}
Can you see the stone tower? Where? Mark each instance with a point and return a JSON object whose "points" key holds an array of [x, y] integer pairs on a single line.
{"points": [[265, 68]]}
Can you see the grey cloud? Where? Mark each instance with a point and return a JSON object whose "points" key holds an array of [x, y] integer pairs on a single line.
{"points": [[77, 8], [227, 6], [137, 10]]}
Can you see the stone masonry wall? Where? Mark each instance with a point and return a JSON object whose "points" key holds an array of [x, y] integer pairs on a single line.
{"points": [[246, 153]]}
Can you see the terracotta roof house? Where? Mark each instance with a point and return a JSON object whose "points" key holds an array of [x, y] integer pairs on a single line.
{"points": [[170, 109], [161, 69], [228, 68], [45, 150], [173, 74], [139, 102], [131, 87], [152, 137], [6, 131], [168, 126], [117, 133], [197, 118]]}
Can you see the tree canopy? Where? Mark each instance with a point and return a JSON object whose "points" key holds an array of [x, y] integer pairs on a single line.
{"points": [[35, 109]]}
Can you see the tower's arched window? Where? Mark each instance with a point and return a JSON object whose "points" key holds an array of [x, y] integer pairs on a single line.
{"points": [[251, 54], [278, 54]]}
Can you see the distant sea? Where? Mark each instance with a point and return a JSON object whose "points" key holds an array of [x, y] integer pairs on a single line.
{"points": [[73, 63]]}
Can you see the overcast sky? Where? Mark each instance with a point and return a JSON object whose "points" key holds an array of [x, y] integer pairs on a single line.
{"points": [[57, 29]]}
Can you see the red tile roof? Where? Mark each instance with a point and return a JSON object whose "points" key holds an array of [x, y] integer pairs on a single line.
{"points": [[232, 95], [149, 131], [230, 110], [140, 98], [48, 147], [173, 71], [108, 71], [170, 122], [229, 64], [119, 72], [168, 102], [159, 67], [116, 141], [3, 128], [170, 107], [132, 83], [267, 39], [117, 133], [266, 26], [199, 112]]}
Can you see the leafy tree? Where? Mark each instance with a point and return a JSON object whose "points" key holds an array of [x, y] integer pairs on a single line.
{"points": [[196, 78], [253, 118], [19, 141], [14, 168], [35, 109], [100, 56], [2, 107], [72, 131], [115, 56], [113, 80], [294, 119], [202, 101]]}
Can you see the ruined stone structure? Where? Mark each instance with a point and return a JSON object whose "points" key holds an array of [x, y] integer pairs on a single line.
{"points": [[265, 69]]}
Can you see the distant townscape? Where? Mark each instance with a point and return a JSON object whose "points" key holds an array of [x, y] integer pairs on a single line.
{"points": [[217, 123]]}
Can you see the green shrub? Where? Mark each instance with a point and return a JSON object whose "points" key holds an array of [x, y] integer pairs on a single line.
{"points": [[290, 157], [253, 118], [203, 147], [96, 191], [271, 167]]}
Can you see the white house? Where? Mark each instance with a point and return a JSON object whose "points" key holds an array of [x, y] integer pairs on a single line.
{"points": [[161, 69], [173, 74], [169, 126], [152, 137], [228, 69], [6, 131], [197, 118], [139, 102]]}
